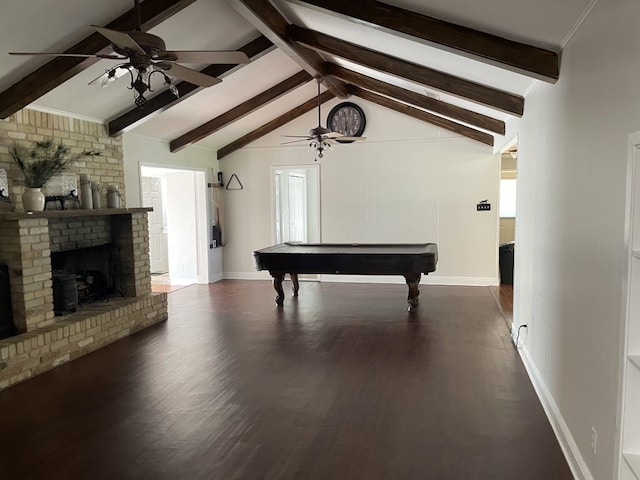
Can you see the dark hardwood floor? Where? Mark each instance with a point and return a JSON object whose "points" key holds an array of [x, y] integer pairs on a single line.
{"points": [[504, 296], [340, 384]]}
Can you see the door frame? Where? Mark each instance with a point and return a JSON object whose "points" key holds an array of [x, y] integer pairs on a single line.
{"points": [[203, 213]]}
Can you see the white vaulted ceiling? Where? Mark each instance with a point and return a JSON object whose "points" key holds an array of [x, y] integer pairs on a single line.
{"points": [[45, 26]]}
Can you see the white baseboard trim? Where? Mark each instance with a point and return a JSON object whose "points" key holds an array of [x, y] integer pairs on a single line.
{"points": [[567, 443], [425, 280], [394, 279], [182, 281], [247, 276], [464, 281]]}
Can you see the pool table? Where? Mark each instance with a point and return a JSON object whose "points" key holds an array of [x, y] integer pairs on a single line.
{"points": [[409, 260]]}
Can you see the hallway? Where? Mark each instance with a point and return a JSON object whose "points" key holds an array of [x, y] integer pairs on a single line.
{"points": [[341, 383]]}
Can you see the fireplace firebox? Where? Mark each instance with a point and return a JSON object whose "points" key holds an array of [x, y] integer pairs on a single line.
{"points": [[94, 270]]}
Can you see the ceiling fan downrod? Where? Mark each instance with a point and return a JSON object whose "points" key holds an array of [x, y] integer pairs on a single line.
{"points": [[319, 118], [136, 4]]}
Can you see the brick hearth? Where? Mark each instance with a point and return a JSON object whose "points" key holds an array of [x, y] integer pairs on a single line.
{"points": [[46, 341]]}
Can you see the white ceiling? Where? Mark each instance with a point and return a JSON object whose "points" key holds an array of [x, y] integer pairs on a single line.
{"points": [[41, 25]]}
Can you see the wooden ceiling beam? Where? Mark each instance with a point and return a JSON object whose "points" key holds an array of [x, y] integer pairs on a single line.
{"points": [[165, 100], [418, 114], [498, 51], [497, 99], [269, 127], [60, 69], [437, 106], [240, 111], [270, 22]]}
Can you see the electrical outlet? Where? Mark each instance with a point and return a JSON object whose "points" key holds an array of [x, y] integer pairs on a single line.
{"points": [[594, 440], [483, 206]]}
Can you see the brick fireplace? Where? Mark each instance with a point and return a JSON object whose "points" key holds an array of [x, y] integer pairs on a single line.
{"points": [[44, 341]]}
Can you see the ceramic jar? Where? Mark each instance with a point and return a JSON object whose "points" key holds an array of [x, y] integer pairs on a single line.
{"points": [[113, 196]]}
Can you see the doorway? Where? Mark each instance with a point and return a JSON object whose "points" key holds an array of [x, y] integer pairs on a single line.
{"points": [[296, 204], [177, 226], [507, 243]]}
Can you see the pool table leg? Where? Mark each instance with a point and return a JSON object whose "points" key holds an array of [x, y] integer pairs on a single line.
{"points": [[413, 281], [278, 278], [295, 285]]}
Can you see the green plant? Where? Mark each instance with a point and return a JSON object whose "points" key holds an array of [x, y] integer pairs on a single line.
{"points": [[43, 160]]}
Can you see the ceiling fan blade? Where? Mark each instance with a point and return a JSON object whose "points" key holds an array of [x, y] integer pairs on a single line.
{"points": [[297, 136], [206, 56], [82, 55], [296, 141], [192, 76], [121, 40], [111, 56], [349, 139], [333, 135]]}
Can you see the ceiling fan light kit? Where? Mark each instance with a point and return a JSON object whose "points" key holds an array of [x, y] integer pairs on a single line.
{"points": [[140, 80], [319, 145]]}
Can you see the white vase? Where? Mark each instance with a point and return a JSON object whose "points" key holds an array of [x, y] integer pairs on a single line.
{"points": [[33, 200], [113, 196]]}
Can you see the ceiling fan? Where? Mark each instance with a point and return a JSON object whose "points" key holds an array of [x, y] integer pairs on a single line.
{"points": [[144, 54], [321, 138]]}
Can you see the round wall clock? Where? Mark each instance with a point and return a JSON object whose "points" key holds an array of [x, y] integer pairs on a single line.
{"points": [[348, 119]]}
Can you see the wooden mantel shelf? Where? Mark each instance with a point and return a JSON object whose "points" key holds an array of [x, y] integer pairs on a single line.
{"points": [[73, 213]]}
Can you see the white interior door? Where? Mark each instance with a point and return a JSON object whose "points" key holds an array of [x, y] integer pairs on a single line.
{"points": [[297, 189], [152, 197], [291, 205]]}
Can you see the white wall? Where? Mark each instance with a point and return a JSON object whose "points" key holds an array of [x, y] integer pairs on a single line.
{"points": [[570, 259], [409, 182], [143, 150]]}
